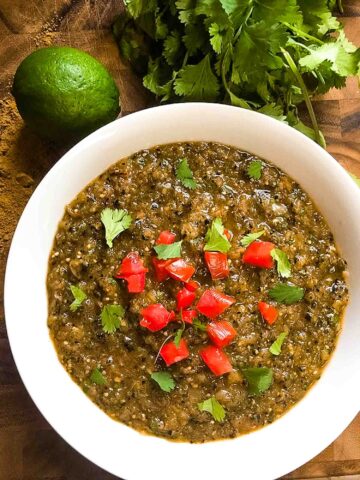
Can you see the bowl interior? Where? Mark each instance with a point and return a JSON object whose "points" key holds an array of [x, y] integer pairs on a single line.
{"points": [[112, 445]]}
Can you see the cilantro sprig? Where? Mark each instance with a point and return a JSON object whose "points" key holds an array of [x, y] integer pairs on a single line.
{"points": [[254, 169], [164, 380], [275, 347], [283, 265], [115, 222], [79, 296], [165, 252], [97, 377], [211, 405], [254, 55], [185, 175], [110, 317], [286, 293], [259, 379], [250, 238], [216, 240]]}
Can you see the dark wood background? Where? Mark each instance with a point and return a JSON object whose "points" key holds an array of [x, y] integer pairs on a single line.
{"points": [[29, 448]]}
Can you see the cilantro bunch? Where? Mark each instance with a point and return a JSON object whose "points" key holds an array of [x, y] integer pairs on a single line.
{"points": [[264, 55]]}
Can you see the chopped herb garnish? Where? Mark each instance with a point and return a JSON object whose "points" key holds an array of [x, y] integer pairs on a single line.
{"points": [[164, 380], [110, 317], [259, 379], [198, 324], [97, 377], [112, 281], [168, 251], [285, 293], [79, 296], [275, 348], [254, 169], [282, 262], [250, 238], [178, 336], [212, 406], [216, 240], [115, 222], [185, 175]]}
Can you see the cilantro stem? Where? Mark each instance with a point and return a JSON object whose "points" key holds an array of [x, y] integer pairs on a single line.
{"points": [[305, 92], [340, 6], [247, 16], [302, 34]]}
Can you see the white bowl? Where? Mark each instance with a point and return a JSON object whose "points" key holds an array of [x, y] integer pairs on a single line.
{"points": [[265, 454]]}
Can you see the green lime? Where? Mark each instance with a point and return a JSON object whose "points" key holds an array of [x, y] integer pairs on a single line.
{"points": [[63, 93]]}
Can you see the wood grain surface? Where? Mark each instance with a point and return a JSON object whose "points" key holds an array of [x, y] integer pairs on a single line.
{"points": [[29, 448]]}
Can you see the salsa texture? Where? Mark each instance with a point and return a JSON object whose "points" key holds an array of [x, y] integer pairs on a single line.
{"points": [[101, 331]]}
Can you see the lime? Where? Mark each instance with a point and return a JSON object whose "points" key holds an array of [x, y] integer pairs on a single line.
{"points": [[63, 93]]}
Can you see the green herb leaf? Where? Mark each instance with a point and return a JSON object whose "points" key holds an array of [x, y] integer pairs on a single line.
{"points": [[275, 348], [185, 175], [79, 296], [259, 379], [110, 317], [199, 325], [254, 169], [285, 293], [168, 251], [282, 262], [178, 336], [215, 238], [251, 237], [164, 380], [212, 406], [97, 377], [115, 222]]}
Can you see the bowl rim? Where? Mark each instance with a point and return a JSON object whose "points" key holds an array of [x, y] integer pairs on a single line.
{"points": [[99, 137]]}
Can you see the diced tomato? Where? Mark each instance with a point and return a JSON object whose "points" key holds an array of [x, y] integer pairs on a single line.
{"points": [[161, 273], [184, 298], [172, 354], [131, 265], [136, 283], [228, 234], [133, 271], [189, 315], [166, 238], [180, 270], [221, 333], [258, 254], [193, 285], [217, 264], [213, 303], [155, 317], [268, 312], [216, 360]]}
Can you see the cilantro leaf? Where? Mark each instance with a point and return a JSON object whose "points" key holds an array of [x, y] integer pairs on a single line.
{"points": [[115, 222], [185, 175], [287, 294], [275, 348], [259, 379], [251, 237], [197, 82], [97, 377], [199, 324], [216, 240], [164, 380], [254, 169], [168, 251], [212, 406], [79, 296], [282, 262], [110, 317], [172, 45], [178, 336]]}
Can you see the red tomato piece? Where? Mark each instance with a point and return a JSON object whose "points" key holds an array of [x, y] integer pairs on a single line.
{"points": [[166, 238], [184, 298], [258, 254], [155, 317], [180, 270], [132, 264], [189, 315], [172, 354], [217, 264], [221, 333], [268, 312], [136, 283], [216, 360], [193, 285], [161, 273], [228, 234], [213, 303]]}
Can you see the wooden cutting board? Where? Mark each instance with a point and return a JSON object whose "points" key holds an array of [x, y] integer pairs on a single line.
{"points": [[29, 448]]}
